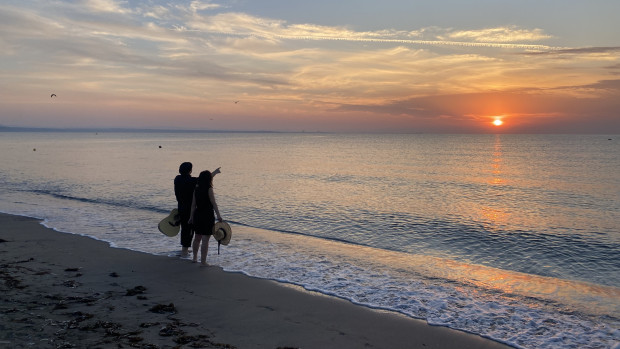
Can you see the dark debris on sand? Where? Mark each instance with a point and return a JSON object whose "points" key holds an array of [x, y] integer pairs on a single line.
{"points": [[136, 290], [164, 309], [72, 315]]}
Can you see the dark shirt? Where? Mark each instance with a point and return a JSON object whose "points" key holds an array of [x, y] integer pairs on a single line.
{"points": [[184, 191]]}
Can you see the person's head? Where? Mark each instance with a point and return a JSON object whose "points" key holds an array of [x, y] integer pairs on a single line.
{"points": [[205, 179], [185, 168]]}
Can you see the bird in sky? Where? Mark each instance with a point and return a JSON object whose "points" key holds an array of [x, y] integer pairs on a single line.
{"points": [[53, 95], [236, 102]]}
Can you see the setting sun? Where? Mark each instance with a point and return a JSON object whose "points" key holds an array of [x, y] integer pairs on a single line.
{"points": [[498, 122]]}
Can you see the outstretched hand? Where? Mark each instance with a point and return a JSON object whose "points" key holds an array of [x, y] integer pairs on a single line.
{"points": [[217, 170]]}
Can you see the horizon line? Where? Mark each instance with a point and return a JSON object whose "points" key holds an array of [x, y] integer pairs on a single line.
{"points": [[147, 130]]}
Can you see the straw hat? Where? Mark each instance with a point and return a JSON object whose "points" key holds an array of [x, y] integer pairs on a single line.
{"points": [[222, 232], [170, 225]]}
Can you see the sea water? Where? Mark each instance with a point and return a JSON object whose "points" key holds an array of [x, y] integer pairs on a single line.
{"points": [[512, 237]]}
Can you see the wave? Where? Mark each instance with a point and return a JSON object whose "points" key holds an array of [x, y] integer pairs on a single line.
{"points": [[119, 203], [521, 310], [563, 256]]}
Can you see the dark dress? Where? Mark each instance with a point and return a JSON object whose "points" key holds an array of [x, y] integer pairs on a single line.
{"points": [[184, 191], [204, 217]]}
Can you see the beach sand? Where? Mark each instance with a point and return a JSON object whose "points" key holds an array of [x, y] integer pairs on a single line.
{"points": [[68, 291]]}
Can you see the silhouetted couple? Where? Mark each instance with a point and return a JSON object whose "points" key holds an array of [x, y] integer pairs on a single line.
{"points": [[197, 208]]}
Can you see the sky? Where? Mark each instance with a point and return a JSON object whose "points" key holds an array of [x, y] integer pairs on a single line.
{"points": [[406, 66]]}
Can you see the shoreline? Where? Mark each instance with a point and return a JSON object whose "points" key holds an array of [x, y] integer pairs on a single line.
{"points": [[64, 289]]}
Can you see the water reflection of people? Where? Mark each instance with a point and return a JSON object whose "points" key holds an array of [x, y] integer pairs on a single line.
{"points": [[202, 215], [184, 185]]}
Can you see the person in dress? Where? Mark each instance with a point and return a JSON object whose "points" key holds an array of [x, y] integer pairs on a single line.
{"points": [[204, 211]]}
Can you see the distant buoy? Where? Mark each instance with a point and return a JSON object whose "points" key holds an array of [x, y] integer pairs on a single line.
{"points": [[160, 147]]}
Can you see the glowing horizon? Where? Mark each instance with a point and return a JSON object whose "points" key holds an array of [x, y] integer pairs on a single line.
{"points": [[293, 66]]}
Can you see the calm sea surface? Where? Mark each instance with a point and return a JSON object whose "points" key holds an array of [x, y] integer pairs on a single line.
{"points": [[512, 237]]}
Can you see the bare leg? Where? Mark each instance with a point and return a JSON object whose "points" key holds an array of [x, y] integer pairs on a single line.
{"points": [[195, 245], [204, 249]]}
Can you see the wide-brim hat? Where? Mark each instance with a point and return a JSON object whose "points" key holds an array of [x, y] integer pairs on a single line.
{"points": [[170, 225], [222, 232]]}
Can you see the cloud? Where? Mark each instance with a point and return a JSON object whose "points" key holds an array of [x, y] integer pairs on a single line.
{"points": [[497, 35], [202, 5], [106, 6], [605, 85], [524, 109], [258, 53], [245, 25], [156, 12], [577, 51]]}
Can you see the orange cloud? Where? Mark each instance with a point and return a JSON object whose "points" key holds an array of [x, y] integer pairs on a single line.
{"points": [[523, 111]]}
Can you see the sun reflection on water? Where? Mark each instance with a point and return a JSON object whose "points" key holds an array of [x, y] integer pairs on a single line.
{"points": [[496, 164]]}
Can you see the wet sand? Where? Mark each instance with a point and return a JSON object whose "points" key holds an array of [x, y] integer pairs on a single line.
{"points": [[68, 291]]}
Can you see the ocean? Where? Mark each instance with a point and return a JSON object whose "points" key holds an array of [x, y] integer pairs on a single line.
{"points": [[512, 237]]}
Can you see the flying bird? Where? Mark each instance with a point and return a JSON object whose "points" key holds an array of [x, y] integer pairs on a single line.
{"points": [[236, 102], [53, 95]]}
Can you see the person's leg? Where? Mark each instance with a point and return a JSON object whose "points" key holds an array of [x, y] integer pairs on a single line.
{"points": [[187, 233], [204, 249], [195, 245]]}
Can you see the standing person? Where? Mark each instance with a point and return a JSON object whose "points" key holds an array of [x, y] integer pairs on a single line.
{"points": [[184, 185], [202, 215]]}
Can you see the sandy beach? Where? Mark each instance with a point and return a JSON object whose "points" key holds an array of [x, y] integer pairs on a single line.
{"points": [[68, 291]]}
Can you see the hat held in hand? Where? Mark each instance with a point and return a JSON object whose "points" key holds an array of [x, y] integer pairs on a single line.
{"points": [[222, 233]]}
